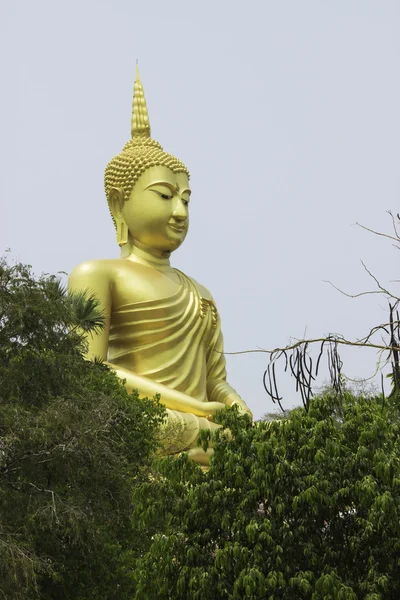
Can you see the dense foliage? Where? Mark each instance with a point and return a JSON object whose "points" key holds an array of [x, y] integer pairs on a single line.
{"points": [[303, 508], [73, 444], [306, 507]]}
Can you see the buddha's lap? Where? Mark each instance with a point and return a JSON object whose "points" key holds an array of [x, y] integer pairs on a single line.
{"points": [[185, 427]]}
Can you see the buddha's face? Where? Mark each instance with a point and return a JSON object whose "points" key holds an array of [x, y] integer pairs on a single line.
{"points": [[156, 213]]}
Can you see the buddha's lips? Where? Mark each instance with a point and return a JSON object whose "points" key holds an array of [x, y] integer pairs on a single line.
{"points": [[176, 227]]}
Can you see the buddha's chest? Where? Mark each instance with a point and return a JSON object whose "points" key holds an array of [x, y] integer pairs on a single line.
{"points": [[151, 294], [140, 285]]}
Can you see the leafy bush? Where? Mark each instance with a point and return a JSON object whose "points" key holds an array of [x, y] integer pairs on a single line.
{"points": [[307, 507], [73, 444]]}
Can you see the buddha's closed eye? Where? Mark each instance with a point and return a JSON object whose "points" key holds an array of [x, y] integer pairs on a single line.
{"points": [[162, 195]]}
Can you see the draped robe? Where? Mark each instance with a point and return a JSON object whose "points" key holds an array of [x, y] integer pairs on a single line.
{"points": [[175, 341]]}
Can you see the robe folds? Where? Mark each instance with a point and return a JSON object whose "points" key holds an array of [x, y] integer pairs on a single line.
{"points": [[175, 341]]}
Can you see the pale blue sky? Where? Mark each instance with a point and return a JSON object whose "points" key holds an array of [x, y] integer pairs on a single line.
{"points": [[287, 114]]}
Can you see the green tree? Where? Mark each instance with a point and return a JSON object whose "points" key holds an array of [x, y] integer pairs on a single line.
{"points": [[307, 507], [73, 444]]}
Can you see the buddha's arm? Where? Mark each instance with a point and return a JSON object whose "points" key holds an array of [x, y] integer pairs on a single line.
{"points": [[89, 276], [172, 399], [218, 389]]}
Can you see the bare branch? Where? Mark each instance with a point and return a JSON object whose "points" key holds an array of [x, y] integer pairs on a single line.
{"points": [[394, 224], [383, 290], [313, 341], [353, 295], [383, 327], [300, 363], [390, 237]]}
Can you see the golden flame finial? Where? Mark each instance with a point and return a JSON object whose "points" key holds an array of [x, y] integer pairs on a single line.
{"points": [[140, 124]]}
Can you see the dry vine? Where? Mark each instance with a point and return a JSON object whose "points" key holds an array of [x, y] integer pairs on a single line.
{"points": [[301, 365]]}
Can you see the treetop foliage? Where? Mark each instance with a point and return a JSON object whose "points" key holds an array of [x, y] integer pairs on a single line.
{"points": [[306, 507], [73, 444]]}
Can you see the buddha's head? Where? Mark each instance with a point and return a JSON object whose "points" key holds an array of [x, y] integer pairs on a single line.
{"points": [[147, 189]]}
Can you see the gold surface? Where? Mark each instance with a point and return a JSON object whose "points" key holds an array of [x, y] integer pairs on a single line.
{"points": [[163, 332]]}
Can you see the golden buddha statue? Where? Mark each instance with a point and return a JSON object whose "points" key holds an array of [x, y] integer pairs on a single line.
{"points": [[163, 333]]}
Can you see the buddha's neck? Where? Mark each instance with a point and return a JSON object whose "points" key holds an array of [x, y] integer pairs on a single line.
{"points": [[143, 256]]}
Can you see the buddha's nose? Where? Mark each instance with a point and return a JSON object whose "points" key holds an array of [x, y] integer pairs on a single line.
{"points": [[180, 212]]}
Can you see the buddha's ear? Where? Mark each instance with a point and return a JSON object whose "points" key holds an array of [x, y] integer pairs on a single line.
{"points": [[116, 202]]}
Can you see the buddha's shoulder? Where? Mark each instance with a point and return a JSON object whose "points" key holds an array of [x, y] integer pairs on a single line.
{"points": [[95, 267], [112, 270], [107, 269], [203, 291]]}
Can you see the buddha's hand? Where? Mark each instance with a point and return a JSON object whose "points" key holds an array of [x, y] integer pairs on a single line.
{"points": [[244, 410], [212, 408], [241, 404]]}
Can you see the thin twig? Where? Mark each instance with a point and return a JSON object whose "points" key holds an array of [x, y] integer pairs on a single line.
{"points": [[352, 295], [313, 341], [390, 237], [384, 290], [394, 224]]}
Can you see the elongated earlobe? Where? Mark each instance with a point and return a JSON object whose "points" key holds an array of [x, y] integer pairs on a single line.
{"points": [[116, 203], [122, 232]]}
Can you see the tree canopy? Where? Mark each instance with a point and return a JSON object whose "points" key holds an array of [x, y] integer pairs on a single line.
{"points": [[73, 444], [306, 507], [302, 507]]}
